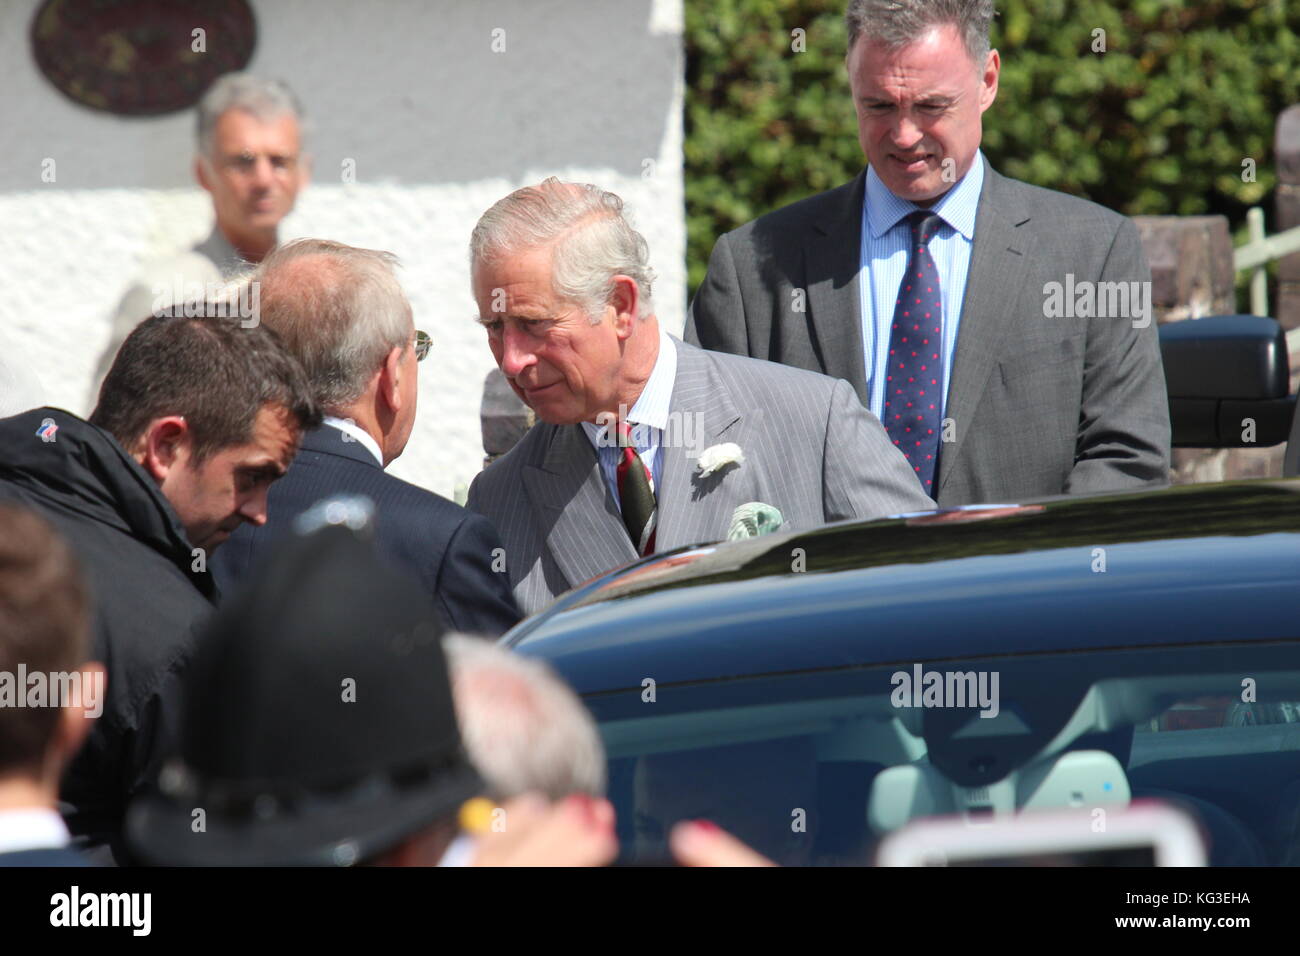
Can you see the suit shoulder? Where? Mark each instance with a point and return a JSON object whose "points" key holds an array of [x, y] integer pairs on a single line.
{"points": [[1069, 211], [764, 378], [529, 450], [327, 474], [403, 493], [797, 216]]}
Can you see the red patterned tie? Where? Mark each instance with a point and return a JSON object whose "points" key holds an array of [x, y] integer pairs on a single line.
{"points": [[913, 382], [635, 498]]}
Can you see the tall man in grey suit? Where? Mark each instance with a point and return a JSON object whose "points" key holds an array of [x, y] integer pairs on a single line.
{"points": [[1030, 402], [627, 456]]}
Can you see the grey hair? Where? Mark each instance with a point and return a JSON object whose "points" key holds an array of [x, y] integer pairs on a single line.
{"points": [[266, 99], [896, 23], [592, 241], [339, 309], [522, 726]]}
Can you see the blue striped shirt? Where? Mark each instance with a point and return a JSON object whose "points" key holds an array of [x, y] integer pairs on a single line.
{"points": [[886, 242], [648, 418]]}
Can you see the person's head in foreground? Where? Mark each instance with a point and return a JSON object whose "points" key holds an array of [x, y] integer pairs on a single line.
{"points": [[319, 727], [524, 728], [250, 158], [342, 313], [212, 411], [44, 634], [922, 74], [562, 283]]}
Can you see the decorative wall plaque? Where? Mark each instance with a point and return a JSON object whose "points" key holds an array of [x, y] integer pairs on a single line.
{"points": [[141, 57]]}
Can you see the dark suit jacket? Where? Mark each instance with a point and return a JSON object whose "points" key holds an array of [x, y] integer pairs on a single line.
{"points": [[1039, 406], [448, 549]]}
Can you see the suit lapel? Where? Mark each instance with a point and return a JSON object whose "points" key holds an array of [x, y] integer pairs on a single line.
{"points": [[701, 415], [997, 267], [832, 260], [584, 532]]}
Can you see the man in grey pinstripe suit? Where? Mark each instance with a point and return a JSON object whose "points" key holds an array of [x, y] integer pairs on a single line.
{"points": [[562, 283]]}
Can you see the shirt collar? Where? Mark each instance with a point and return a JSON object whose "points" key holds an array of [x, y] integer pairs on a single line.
{"points": [[363, 437], [652, 405], [31, 828], [956, 207]]}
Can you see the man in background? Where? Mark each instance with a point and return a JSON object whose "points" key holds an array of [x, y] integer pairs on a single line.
{"points": [[251, 163], [342, 312], [924, 283]]}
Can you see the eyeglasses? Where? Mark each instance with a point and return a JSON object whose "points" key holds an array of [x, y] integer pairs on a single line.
{"points": [[422, 345]]}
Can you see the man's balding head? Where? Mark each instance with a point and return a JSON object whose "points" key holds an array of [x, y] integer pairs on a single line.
{"points": [[342, 312]]}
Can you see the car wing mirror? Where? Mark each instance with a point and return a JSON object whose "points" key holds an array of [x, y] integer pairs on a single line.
{"points": [[1221, 371]]}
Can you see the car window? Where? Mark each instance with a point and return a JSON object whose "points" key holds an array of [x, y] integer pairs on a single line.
{"points": [[814, 769]]}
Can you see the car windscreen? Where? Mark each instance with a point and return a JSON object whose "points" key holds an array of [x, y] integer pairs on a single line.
{"points": [[815, 768]]}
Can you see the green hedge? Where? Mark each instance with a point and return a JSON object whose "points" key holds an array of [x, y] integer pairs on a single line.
{"points": [[1158, 124]]}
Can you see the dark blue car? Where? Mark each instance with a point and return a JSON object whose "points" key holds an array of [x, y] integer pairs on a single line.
{"points": [[813, 692], [1088, 652]]}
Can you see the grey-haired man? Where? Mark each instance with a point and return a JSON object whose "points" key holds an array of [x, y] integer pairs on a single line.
{"points": [[249, 158], [644, 443]]}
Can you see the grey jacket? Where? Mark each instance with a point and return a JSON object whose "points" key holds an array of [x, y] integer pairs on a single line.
{"points": [[1038, 406], [810, 450]]}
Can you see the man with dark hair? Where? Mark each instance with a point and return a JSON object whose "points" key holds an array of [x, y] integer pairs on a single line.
{"points": [[44, 639], [196, 418], [342, 313], [932, 284]]}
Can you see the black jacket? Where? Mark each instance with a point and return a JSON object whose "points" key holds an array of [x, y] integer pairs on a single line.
{"points": [[451, 551], [147, 599]]}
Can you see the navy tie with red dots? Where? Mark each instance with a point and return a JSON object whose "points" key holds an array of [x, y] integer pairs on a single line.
{"points": [[914, 372]]}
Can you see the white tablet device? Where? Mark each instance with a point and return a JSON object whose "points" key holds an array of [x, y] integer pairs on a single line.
{"points": [[1145, 833]]}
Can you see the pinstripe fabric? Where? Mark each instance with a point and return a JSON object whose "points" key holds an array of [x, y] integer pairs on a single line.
{"points": [[810, 449]]}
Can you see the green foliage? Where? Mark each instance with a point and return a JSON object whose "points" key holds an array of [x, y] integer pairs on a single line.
{"points": [[1157, 124]]}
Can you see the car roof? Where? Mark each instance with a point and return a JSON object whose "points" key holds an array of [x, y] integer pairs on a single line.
{"points": [[1189, 564]]}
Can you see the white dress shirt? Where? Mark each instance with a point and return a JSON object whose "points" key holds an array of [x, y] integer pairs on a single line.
{"points": [[649, 418], [32, 828], [358, 434]]}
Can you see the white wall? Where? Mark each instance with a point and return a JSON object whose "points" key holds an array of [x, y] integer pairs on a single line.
{"points": [[438, 127]]}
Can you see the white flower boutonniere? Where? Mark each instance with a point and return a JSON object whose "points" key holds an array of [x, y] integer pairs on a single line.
{"points": [[716, 457]]}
